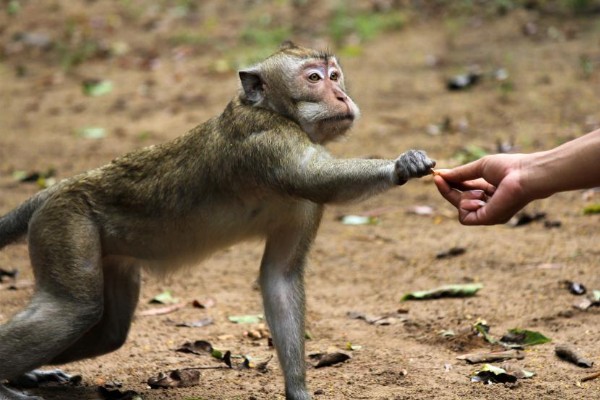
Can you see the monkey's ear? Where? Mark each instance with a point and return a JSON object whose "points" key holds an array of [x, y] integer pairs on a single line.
{"points": [[287, 45], [252, 84]]}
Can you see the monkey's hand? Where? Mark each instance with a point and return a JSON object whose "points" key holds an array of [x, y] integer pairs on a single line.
{"points": [[412, 164]]}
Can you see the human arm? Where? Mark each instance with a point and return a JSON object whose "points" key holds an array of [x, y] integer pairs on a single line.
{"points": [[496, 187]]}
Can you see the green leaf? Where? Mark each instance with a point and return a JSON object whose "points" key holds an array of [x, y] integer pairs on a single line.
{"points": [[445, 291], [525, 337], [165, 297], [483, 329], [216, 353], [470, 153], [492, 369], [352, 347], [308, 335], [592, 209], [19, 175], [360, 220], [95, 88], [246, 319], [91, 133], [595, 295], [13, 7], [446, 333]]}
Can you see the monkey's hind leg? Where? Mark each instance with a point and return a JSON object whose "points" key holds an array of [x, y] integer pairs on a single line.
{"points": [[282, 286], [68, 300], [121, 293]]}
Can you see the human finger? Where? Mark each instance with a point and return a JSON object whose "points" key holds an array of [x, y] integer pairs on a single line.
{"points": [[453, 196]]}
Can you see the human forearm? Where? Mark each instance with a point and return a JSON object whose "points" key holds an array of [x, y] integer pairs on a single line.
{"points": [[573, 165]]}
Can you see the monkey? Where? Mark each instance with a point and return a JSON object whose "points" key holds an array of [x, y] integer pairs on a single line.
{"points": [[259, 170]]}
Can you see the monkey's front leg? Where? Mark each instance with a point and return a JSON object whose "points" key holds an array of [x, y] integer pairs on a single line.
{"points": [[282, 285]]}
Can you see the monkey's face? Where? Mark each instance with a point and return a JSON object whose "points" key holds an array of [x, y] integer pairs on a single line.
{"points": [[324, 110], [304, 85]]}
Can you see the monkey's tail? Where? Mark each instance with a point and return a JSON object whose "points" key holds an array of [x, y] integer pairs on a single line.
{"points": [[15, 224]]}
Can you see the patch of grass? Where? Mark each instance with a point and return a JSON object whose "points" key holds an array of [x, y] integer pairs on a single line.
{"points": [[365, 26], [70, 56], [188, 38], [579, 6], [265, 36]]}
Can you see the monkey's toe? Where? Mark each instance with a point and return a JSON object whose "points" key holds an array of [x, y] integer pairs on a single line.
{"points": [[9, 394], [37, 377]]}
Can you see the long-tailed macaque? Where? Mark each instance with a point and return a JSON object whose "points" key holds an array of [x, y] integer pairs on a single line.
{"points": [[258, 170]]}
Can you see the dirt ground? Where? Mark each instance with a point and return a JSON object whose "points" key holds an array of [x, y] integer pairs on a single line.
{"points": [[401, 90]]}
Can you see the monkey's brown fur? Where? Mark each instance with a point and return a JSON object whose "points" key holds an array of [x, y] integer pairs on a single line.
{"points": [[257, 170]]}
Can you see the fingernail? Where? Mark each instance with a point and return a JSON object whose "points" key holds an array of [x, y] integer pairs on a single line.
{"points": [[478, 191], [481, 203]]}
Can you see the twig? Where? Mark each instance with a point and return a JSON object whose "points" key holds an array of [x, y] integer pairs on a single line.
{"points": [[207, 367], [590, 377]]}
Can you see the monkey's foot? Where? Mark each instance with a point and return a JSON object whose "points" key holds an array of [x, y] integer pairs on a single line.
{"points": [[37, 377], [8, 394]]}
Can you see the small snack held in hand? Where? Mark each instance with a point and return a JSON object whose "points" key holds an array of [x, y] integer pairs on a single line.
{"points": [[434, 172]]}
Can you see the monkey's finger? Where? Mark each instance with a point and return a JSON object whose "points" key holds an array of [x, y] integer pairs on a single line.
{"points": [[452, 195]]}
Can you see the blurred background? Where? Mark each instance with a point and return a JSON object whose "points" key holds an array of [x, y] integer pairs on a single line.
{"points": [[84, 81]]}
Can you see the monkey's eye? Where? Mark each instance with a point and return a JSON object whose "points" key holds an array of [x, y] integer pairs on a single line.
{"points": [[334, 76], [314, 77]]}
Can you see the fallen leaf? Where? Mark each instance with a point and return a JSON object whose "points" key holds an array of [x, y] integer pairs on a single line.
{"points": [[483, 328], [384, 319], [163, 310], [420, 210], [21, 284], [118, 395], [524, 337], [568, 352], [91, 133], [575, 288], [352, 347], [96, 87], [262, 367], [206, 303], [196, 324], [199, 347], [475, 358], [445, 291], [360, 220], [321, 360], [463, 81], [246, 319], [175, 379], [525, 218], [491, 374], [591, 209], [165, 297], [446, 333], [452, 252]]}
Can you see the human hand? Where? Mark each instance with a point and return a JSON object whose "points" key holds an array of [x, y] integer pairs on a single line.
{"points": [[487, 191]]}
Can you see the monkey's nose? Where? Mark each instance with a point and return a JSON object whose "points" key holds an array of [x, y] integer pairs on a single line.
{"points": [[341, 96]]}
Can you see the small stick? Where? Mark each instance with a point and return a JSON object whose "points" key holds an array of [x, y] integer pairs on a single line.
{"points": [[590, 377], [206, 367]]}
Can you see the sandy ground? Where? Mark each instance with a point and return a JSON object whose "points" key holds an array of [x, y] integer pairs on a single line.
{"points": [[352, 268]]}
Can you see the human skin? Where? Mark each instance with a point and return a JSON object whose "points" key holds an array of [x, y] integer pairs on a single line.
{"points": [[494, 188]]}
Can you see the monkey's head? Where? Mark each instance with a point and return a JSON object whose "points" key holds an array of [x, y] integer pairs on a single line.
{"points": [[304, 85]]}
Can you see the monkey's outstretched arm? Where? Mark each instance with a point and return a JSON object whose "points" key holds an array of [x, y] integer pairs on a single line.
{"points": [[308, 171]]}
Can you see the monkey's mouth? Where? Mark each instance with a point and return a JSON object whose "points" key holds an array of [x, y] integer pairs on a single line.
{"points": [[339, 118]]}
